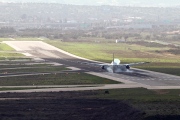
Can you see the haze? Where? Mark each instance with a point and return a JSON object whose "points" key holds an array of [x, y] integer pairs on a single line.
{"points": [[143, 3]]}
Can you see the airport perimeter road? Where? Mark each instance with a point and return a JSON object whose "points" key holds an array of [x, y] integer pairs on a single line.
{"points": [[148, 79]]}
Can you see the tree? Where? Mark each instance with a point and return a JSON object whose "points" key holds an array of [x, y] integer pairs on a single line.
{"points": [[126, 37], [148, 37]]}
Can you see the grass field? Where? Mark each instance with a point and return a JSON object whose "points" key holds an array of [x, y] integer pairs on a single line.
{"points": [[34, 69], [6, 66], [119, 103], [103, 50], [155, 104], [55, 79], [10, 55], [5, 47], [4, 39], [30, 39], [20, 88], [21, 39], [123, 51], [30, 88], [127, 53], [6, 54], [169, 68], [152, 102]]}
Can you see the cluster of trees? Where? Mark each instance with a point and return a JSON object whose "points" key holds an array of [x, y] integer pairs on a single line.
{"points": [[175, 51], [98, 33], [75, 34], [51, 33], [6, 31]]}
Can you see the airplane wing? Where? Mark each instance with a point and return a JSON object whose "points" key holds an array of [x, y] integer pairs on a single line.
{"points": [[102, 64], [94, 64], [139, 63]]}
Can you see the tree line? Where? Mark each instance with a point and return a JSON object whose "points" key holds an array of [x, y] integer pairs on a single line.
{"points": [[97, 33]]}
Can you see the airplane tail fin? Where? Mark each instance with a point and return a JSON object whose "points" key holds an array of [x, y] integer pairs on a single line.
{"points": [[113, 57], [114, 62]]}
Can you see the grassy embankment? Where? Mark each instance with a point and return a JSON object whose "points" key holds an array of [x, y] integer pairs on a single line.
{"points": [[127, 53], [154, 103]]}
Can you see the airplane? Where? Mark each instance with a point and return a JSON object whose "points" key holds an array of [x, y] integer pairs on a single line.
{"points": [[116, 67]]}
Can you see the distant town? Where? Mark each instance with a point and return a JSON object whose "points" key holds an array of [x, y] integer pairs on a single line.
{"points": [[59, 16], [83, 23]]}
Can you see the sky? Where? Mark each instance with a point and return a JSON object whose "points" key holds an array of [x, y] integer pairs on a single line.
{"points": [[146, 3]]}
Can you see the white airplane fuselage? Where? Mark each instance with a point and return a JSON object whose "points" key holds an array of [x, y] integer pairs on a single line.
{"points": [[116, 68]]}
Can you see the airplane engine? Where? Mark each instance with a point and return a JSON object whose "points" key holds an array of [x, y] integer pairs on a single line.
{"points": [[127, 67], [103, 67]]}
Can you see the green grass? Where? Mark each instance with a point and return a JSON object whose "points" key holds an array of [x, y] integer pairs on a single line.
{"points": [[169, 68], [19, 88], [34, 69], [14, 65], [126, 53], [10, 55], [29, 39], [55, 79], [30, 88], [4, 39], [19, 39], [5, 47], [16, 58], [4, 54]]}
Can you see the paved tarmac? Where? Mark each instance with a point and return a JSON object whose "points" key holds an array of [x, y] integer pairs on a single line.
{"points": [[137, 77]]}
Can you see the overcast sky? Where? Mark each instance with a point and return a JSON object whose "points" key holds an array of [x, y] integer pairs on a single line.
{"points": [[158, 3]]}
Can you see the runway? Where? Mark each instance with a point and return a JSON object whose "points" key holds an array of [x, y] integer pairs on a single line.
{"points": [[143, 78]]}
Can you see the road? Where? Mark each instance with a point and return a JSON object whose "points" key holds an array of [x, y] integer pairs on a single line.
{"points": [[141, 78]]}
